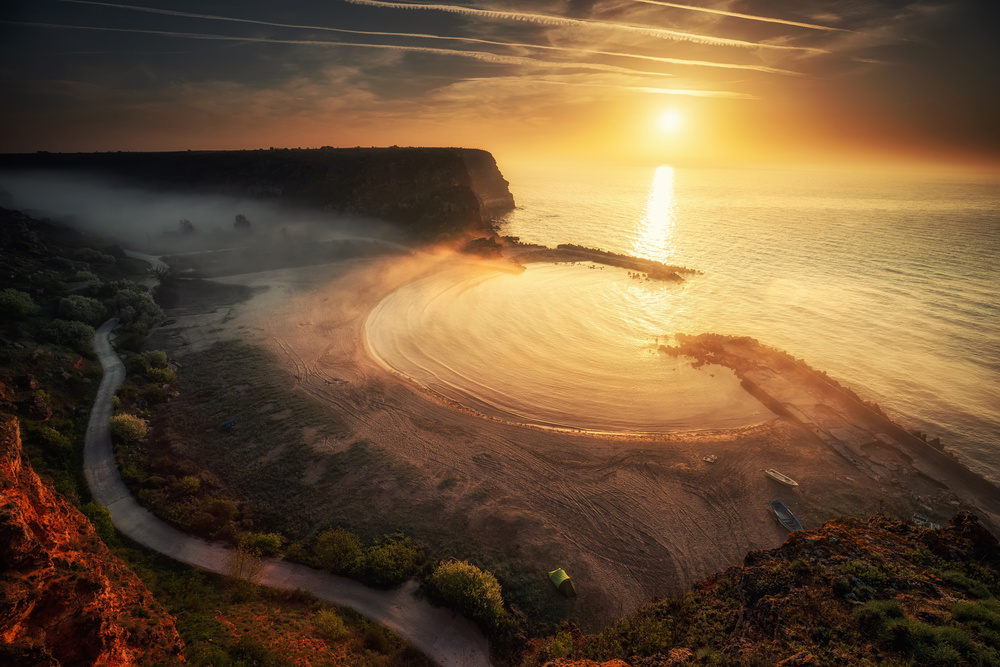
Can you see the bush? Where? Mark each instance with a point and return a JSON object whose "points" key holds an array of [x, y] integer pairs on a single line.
{"points": [[471, 591], [338, 549], [135, 309], [155, 358], [390, 562], [16, 304], [127, 429], [266, 544], [161, 375], [82, 309], [188, 485], [76, 335], [100, 518], [93, 256], [330, 625]]}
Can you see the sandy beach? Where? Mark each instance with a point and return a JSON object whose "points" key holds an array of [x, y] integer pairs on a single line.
{"points": [[630, 517]]}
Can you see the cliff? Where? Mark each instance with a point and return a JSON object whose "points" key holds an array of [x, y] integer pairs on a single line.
{"points": [[64, 598], [426, 191], [857, 591]]}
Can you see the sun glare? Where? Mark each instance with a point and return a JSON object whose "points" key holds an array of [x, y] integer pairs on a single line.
{"points": [[671, 121]]}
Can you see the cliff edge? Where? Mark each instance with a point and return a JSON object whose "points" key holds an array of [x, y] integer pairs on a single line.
{"points": [[429, 192], [65, 599]]}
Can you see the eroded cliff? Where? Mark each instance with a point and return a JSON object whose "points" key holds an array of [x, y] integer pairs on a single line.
{"points": [[65, 599], [429, 192]]}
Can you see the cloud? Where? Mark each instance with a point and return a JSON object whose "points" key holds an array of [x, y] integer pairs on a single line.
{"points": [[750, 17], [475, 40], [550, 20], [482, 56]]}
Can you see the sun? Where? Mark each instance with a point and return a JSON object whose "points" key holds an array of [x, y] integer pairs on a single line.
{"points": [[671, 121]]}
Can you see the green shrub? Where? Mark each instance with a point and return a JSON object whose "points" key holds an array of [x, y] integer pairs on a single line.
{"points": [[81, 309], [338, 550], [93, 256], [155, 358], [561, 646], [100, 518], [330, 625], [390, 562], [188, 485], [161, 375], [16, 304], [127, 429], [70, 333], [266, 544], [135, 309], [471, 591]]}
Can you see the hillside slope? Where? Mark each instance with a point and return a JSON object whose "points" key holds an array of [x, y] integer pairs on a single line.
{"points": [[64, 598], [857, 591]]}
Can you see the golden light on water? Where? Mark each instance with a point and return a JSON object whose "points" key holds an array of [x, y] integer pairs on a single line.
{"points": [[655, 234]]}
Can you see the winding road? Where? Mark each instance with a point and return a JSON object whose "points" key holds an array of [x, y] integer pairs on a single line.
{"points": [[445, 637]]}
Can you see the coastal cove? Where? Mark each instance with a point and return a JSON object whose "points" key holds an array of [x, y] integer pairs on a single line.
{"points": [[632, 516]]}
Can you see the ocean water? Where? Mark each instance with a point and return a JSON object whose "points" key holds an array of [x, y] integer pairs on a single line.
{"points": [[890, 283]]}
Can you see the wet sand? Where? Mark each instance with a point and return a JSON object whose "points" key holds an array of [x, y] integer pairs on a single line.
{"points": [[630, 517]]}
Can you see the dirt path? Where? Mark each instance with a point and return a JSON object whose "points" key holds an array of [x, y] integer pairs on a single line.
{"points": [[442, 635]]}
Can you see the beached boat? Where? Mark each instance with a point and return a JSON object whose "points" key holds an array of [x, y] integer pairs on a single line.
{"points": [[785, 516], [781, 479], [711, 458]]}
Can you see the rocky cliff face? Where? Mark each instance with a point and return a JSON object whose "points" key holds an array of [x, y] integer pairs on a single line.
{"points": [[427, 191], [64, 598]]}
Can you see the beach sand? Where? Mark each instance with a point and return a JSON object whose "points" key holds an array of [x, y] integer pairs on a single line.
{"points": [[630, 517]]}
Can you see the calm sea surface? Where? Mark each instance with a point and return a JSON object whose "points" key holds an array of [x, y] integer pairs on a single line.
{"points": [[889, 283]]}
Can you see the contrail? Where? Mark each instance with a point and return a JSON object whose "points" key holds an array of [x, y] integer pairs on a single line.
{"points": [[659, 59], [750, 17], [475, 55], [724, 94], [548, 19]]}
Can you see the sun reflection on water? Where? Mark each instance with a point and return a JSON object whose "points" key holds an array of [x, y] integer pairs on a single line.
{"points": [[655, 232]]}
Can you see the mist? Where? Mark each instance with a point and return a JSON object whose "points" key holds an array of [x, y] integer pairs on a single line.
{"points": [[160, 222]]}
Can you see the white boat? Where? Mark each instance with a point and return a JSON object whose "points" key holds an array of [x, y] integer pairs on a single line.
{"points": [[781, 479]]}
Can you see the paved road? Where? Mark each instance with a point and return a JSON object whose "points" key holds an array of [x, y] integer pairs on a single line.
{"points": [[448, 639]]}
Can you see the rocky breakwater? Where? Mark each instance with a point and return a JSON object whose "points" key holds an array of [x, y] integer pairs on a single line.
{"points": [[65, 599], [432, 193]]}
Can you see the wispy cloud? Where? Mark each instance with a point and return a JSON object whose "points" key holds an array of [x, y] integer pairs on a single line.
{"points": [[551, 20], [750, 17], [474, 40], [481, 56]]}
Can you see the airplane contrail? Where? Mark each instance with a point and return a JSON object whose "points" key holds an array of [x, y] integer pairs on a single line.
{"points": [[750, 17], [487, 57], [475, 40], [548, 19], [482, 56]]}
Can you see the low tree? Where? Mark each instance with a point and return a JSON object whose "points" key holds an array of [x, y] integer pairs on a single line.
{"points": [[82, 309], [127, 429], [470, 591], [70, 333], [338, 549], [186, 227], [16, 304]]}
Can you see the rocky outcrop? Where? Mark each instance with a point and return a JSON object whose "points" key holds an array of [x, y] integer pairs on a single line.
{"points": [[65, 599], [429, 192]]}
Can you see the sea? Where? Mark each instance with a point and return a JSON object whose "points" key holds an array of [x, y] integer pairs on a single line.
{"points": [[889, 282]]}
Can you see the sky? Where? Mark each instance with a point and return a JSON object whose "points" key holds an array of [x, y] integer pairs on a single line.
{"points": [[700, 82]]}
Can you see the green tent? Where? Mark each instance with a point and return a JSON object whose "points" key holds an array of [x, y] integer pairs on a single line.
{"points": [[563, 582]]}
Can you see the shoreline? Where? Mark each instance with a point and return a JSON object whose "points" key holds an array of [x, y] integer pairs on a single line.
{"points": [[631, 516]]}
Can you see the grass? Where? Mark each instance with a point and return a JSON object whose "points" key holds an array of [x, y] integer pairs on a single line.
{"points": [[227, 624]]}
